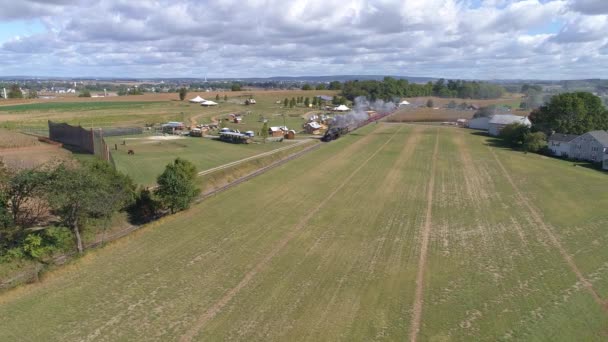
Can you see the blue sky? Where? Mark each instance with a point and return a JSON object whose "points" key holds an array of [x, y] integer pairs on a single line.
{"points": [[549, 39]]}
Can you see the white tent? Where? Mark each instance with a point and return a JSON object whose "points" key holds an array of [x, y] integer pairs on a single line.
{"points": [[197, 99], [341, 108], [208, 103], [404, 103]]}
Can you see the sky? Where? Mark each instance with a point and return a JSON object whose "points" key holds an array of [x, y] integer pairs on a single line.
{"points": [[465, 39]]}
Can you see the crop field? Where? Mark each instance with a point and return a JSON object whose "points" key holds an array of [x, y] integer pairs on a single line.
{"points": [[153, 153], [152, 108], [394, 232], [19, 151]]}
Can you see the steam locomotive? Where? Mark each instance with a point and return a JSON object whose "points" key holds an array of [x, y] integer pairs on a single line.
{"points": [[334, 133]]}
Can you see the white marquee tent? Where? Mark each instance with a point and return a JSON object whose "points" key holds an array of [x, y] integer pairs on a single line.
{"points": [[208, 103], [197, 99], [341, 108]]}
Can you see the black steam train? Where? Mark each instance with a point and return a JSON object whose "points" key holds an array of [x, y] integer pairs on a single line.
{"points": [[334, 133]]}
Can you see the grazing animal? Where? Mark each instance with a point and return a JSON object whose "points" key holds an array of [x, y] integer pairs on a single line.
{"points": [[131, 152]]}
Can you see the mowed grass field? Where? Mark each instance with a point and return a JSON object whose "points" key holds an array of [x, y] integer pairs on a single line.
{"points": [[153, 153], [395, 232]]}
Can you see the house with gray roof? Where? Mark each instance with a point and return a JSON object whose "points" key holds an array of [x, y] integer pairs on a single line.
{"points": [[499, 121], [559, 144], [591, 146]]}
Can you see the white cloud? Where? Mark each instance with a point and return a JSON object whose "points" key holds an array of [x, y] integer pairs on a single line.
{"points": [[451, 38]]}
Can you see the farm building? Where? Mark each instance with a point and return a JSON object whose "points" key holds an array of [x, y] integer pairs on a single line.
{"points": [[461, 122], [173, 126], [197, 99], [482, 123], [291, 134], [325, 97], [277, 131], [559, 144], [499, 121], [591, 146], [312, 127], [250, 102]]}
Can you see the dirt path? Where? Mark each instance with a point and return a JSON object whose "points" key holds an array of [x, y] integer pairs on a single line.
{"points": [[227, 297], [424, 245], [237, 162], [536, 216]]}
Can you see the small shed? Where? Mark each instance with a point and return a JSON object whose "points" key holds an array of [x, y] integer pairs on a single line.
{"points": [[291, 134], [313, 127], [276, 131]]}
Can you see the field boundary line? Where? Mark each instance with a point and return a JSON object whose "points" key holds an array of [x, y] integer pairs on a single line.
{"points": [[556, 243], [264, 154], [424, 245], [227, 297]]}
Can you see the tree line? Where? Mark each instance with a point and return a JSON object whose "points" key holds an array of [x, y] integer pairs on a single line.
{"points": [[47, 210], [391, 88]]}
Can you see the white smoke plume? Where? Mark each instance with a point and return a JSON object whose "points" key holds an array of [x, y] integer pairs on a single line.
{"points": [[359, 113]]}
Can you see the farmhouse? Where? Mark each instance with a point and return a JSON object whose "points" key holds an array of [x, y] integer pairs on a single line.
{"points": [[482, 123], [559, 144], [499, 121], [591, 146]]}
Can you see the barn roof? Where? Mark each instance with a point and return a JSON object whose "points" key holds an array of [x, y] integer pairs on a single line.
{"points": [[562, 137], [505, 119], [600, 136]]}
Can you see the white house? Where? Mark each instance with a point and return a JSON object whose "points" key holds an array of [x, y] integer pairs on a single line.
{"points": [[559, 144], [482, 123], [499, 121], [591, 146]]}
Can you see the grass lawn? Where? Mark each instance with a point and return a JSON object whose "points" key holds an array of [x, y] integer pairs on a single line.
{"points": [[390, 228], [151, 156]]}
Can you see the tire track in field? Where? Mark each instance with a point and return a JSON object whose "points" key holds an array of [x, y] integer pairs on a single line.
{"points": [[536, 216], [424, 245], [227, 297]]}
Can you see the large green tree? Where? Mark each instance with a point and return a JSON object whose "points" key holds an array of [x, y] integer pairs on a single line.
{"points": [[176, 185], [571, 113], [15, 92], [182, 93], [92, 191]]}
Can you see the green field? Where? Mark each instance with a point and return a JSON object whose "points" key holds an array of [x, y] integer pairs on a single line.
{"points": [[76, 106], [392, 228], [155, 109], [151, 156]]}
